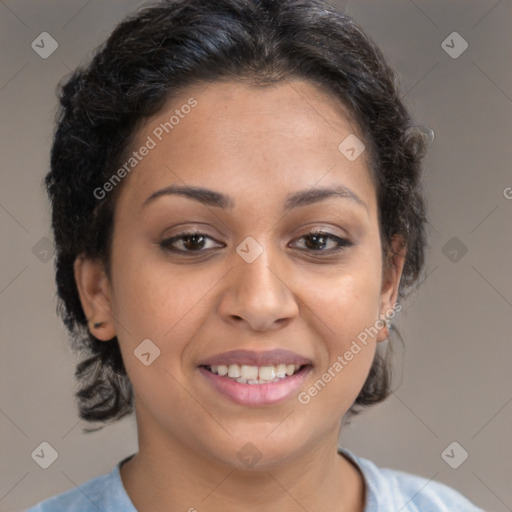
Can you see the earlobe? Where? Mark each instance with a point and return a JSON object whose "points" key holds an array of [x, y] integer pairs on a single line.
{"points": [[95, 296], [391, 283]]}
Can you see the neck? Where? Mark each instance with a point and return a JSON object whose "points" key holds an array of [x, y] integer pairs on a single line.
{"points": [[166, 475]]}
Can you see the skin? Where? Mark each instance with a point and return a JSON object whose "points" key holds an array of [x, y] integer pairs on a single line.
{"points": [[256, 145]]}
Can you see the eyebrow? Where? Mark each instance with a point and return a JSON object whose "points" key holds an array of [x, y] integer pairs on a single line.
{"points": [[301, 198], [203, 195], [315, 195]]}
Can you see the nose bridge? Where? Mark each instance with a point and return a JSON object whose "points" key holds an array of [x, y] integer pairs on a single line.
{"points": [[257, 292], [256, 267], [257, 275]]}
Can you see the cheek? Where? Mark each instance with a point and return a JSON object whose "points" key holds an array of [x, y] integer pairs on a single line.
{"points": [[346, 310], [345, 354], [348, 301], [159, 301]]}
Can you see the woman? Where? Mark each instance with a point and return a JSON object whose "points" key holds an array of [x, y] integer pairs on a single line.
{"points": [[237, 213]]}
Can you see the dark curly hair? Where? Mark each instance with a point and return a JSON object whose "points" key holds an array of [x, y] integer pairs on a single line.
{"points": [[156, 53]]}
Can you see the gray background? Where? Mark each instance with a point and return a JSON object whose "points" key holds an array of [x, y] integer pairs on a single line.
{"points": [[453, 379]]}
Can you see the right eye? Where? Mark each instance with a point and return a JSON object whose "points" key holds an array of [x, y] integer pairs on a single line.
{"points": [[190, 241]]}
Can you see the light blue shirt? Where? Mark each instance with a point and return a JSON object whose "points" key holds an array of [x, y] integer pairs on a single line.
{"points": [[387, 490]]}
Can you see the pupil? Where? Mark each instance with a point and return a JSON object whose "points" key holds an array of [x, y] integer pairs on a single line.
{"points": [[192, 237], [315, 239]]}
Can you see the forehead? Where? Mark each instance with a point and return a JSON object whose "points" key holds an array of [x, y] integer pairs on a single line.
{"points": [[234, 136]]}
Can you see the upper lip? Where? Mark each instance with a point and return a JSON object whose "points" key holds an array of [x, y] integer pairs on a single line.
{"points": [[252, 358]]}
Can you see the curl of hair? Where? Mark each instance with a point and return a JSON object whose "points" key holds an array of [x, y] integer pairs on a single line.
{"points": [[155, 54]]}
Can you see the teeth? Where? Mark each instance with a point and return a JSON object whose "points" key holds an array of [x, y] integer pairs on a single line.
{"points": [[281, 370], [267, 372], [247, 374], [234, 371]]}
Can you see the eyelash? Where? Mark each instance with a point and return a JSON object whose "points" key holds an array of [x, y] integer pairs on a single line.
{"points": [[343, 243]]}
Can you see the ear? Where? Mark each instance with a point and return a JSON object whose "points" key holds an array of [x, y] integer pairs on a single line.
{"points": [[95, 295], [392, 273]]}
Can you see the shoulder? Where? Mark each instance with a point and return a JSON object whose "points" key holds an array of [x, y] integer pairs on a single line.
{"points": [[81, 498], [104, 492], [424, 494], [390, 489]]}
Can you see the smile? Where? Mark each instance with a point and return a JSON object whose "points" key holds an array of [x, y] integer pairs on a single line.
{"points": [[246, 374], [256, 385]]}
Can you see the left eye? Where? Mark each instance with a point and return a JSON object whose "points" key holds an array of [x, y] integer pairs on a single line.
{"points": [[320, 237]]}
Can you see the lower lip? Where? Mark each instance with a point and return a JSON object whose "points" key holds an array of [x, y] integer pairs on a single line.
{"points": [[257, 394]]}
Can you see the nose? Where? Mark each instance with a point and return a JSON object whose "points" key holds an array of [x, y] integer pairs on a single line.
{"points": [[258, 294]]}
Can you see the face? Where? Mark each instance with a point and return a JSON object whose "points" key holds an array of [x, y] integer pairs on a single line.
{"points": [[245, 267]]}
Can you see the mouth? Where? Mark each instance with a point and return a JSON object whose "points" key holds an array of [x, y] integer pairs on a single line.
{"points": [[255, 378], [255, 375], [255, 386]]}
